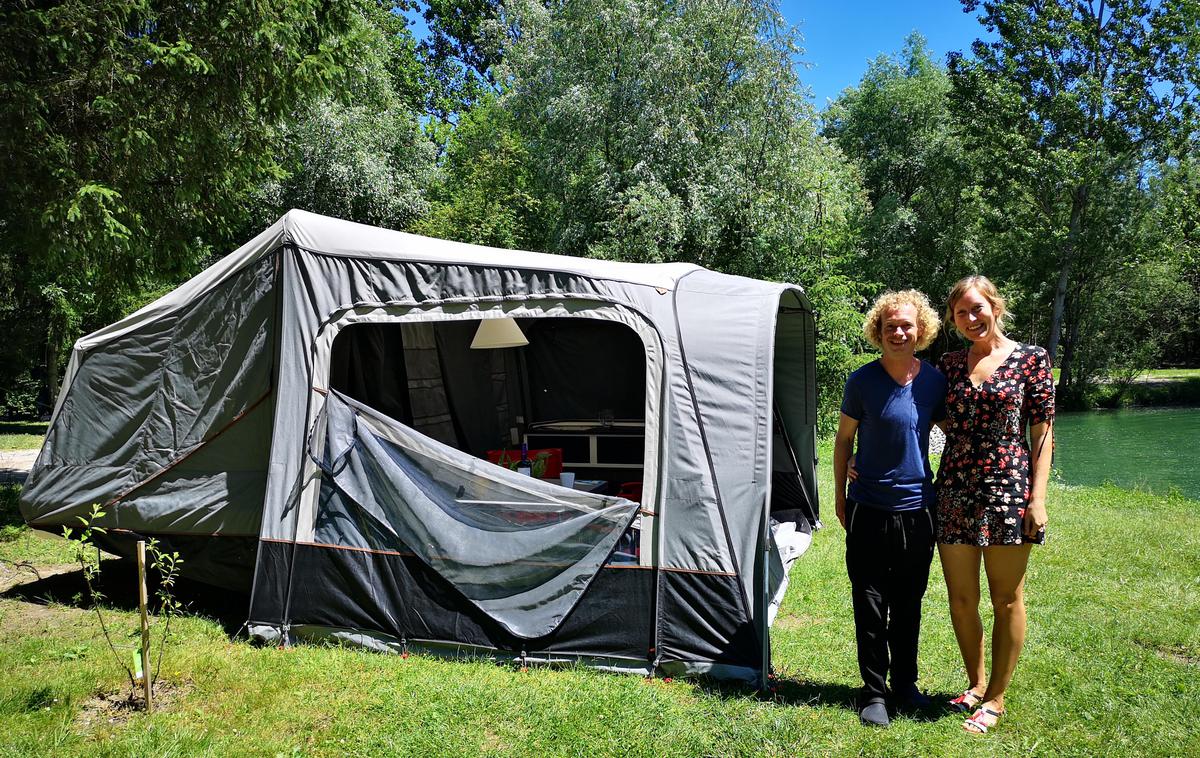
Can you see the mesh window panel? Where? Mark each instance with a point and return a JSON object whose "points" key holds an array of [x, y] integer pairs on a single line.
{"points": [[522, 550]]}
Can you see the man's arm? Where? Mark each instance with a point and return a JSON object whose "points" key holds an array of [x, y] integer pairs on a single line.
{"points": [[843, 448]]}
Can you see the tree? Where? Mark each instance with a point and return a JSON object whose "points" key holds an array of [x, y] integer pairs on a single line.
{"points": [[359, 154], [680, 132], [1175, 220], [484, 196], [460, 53], [1072, 99], [922, 227], [132, 136]]}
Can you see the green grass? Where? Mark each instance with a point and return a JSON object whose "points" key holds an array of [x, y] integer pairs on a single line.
{"points": [[1157, 374], [21, 435], [1163, 374], [1111, 667]]}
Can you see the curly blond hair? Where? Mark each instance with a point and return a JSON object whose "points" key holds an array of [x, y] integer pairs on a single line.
{"points": [[927, 318], [983, 286]]}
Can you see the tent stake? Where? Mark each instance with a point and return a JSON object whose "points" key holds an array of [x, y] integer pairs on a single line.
{"points": [[146, 683]]}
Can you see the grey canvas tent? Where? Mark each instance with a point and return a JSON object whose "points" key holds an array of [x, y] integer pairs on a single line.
{"points": [[306, 421]]}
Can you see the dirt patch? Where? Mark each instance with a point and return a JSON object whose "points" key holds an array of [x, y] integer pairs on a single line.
{"points": [[1173, 653], [113, 708], [798, 621], [23, 619], [1178, 655], [493, 743]]}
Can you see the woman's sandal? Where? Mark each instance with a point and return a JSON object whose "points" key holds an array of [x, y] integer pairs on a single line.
{"points": [[967, 701], [982, 720]]}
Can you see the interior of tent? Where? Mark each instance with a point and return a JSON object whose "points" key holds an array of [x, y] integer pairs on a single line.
{"points": [[575, 394]]}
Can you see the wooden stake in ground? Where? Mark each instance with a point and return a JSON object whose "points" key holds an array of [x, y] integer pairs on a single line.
{"points": [[146, 684]]}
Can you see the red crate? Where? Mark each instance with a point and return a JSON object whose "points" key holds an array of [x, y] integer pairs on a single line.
{"points": [[631, 491], [554, 459]]}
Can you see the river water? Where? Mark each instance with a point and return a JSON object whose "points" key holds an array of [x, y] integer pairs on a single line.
{"points": [[1149, 448]]}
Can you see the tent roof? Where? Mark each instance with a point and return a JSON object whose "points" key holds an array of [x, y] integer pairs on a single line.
{"points": [[332, 236]]}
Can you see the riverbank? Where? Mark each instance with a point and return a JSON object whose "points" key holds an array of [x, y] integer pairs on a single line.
{"points": [[1112, 667], [1149, 393], [1153, 388]]}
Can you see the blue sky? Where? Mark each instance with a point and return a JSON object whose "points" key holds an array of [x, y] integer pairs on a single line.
{"points": [[840, 37]]}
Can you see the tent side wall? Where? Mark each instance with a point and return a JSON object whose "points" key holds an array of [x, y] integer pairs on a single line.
{"points": [[726, 332], [162, 425]]}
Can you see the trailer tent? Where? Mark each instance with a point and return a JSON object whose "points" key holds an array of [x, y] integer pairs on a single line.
{"points": [[306, 422]]}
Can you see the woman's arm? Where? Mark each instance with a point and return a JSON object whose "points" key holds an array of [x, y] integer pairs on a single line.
{"points": [[843, 448], [1041, 449]]}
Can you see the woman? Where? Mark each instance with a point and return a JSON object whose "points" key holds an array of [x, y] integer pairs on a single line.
{"points": [[889, 404], [991, 494]]}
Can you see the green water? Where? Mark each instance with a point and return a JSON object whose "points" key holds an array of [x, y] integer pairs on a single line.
{"points": [[1153, 449]]}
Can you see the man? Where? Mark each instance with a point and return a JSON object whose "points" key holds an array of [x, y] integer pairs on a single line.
{"points": [[889, 405]]}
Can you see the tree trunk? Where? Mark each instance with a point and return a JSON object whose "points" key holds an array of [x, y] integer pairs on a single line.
{"points": [[1066, 372], [52, 377], [1060, 300], [1066, 263]]}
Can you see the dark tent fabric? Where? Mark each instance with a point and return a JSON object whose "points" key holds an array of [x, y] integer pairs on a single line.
{"points": [[582, 369]]}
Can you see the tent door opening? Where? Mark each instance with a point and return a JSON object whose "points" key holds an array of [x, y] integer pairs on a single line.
{"points": [[576, 394]]}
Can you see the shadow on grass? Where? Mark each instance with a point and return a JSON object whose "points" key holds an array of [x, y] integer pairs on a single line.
{"points": [[118, 584], [23, 427], [814, 694]]}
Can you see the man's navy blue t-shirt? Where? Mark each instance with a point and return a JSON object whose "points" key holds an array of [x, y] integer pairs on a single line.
{"points": [[892, 458]]}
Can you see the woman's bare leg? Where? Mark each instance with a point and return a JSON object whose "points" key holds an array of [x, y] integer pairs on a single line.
{"points": [[960, 565], [1005, 566]]}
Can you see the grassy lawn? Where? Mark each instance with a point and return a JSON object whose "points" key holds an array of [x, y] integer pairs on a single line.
{"points": [[1164, 374], [1157, 374], [1112, 667], [21, 435]]}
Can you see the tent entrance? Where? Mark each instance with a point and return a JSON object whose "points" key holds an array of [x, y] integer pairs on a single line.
{"points": [[578, 387], [403, 434], [577, 390]]}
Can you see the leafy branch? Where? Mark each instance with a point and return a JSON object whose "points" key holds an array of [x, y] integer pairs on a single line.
{"points": [[166, 563], [88, 558]]}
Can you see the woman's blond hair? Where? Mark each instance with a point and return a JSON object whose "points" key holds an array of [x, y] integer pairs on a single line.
{"points": [[927, 318], [983, 286]]}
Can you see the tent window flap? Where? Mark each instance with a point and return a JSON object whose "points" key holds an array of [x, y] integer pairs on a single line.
{"points": [[521, 550]]}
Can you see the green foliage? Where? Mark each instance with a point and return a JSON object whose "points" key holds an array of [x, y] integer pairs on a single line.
{"points": [[165, 564], [88, 558], [659, 133], [484, 196], [897, 124], [462, 49], [1064, 110], [139, 140], [359, 154], [132, 135], [353, 162]]}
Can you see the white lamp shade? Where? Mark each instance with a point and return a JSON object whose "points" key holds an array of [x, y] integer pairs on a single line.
{"points": [[498, 332]]}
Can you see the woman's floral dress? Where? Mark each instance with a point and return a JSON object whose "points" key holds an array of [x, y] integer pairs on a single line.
{"points": [[983, 482]]}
